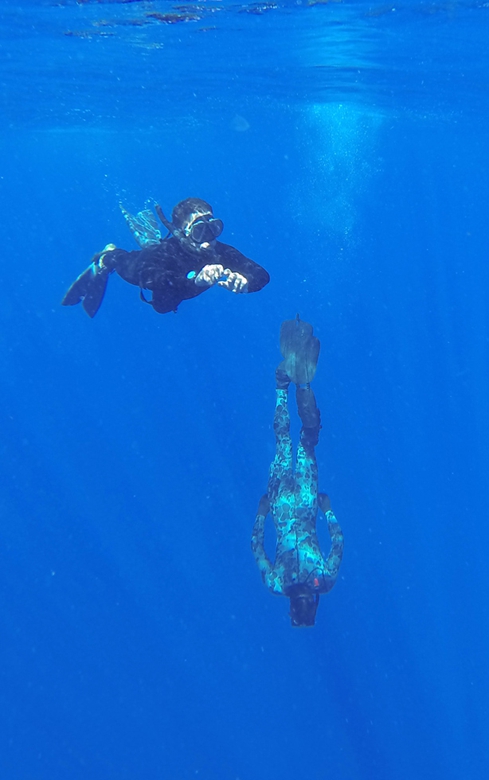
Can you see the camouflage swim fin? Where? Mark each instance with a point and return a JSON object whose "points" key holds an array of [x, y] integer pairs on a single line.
{"points": [[88, 289], [300, 349]]}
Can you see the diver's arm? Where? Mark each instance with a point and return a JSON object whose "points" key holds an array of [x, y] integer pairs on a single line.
{"points": [[236, 263], [258, 539], [333, 561], [160, 268]]}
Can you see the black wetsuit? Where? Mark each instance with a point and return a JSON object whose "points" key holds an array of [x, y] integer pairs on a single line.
{"points": [[165, 268]]}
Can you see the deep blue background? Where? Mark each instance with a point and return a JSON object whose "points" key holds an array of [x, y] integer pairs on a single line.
{"points": [[137, 638]]}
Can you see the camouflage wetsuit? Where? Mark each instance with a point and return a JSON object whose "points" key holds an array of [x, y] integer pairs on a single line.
{"points": [[292, 500]]}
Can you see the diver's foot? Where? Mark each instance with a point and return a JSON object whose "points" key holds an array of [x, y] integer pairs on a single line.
{"points": [[281, 377], [102, 262], [307, 408]]}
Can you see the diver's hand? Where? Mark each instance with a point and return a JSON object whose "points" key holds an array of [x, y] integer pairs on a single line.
{"points": [[235, 282], [324, 503], [209, 275]]}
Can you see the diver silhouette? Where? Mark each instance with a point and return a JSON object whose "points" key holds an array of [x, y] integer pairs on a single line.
{"points": [[182, 265], [299, 571]]}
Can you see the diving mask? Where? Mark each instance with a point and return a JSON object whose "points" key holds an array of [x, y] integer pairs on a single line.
{"points": [[205, 227]]}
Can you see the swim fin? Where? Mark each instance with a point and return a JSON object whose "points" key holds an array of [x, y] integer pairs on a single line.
{"points": [[89, 289], [144, 227], [307, 408], [300, 350]]}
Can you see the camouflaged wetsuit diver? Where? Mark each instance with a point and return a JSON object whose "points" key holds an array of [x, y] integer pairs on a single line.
{"points": [[292, 499]]}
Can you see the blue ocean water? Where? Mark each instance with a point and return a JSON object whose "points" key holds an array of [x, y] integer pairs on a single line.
{"points": [[344, 145]]}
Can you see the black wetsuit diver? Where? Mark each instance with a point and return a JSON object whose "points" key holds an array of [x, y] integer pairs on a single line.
{"points": [[299, 571], [176, 268]]}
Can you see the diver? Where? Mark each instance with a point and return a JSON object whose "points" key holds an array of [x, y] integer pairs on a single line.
{"points": [[175, 267], [300, 571]]}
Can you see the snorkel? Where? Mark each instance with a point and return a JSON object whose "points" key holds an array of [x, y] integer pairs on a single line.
{"points": [[169, 226]]}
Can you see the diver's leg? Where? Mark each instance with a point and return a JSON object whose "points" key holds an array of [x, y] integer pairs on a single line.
{"points": [[164, 300], [281, 466], [306, 472]]}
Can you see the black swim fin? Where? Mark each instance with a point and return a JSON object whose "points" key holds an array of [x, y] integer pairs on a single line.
{"points": [[89, 289], [307, 408], [300, 349]]}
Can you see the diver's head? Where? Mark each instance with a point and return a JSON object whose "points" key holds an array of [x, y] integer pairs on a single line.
{"points": [[303, 604], [195, 223]]}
